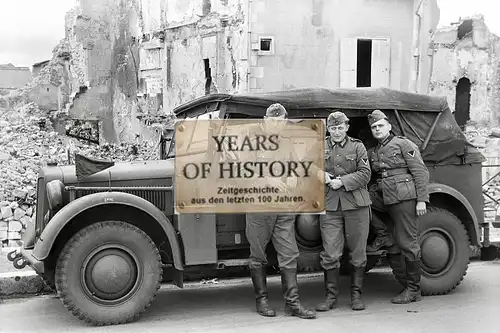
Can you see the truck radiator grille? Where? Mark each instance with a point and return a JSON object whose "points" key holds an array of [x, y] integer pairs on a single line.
{"points": [[157, 198]]}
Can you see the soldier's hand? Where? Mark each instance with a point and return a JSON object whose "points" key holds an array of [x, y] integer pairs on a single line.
{"points": [[336, 184], [421, 208], [327, 177]]}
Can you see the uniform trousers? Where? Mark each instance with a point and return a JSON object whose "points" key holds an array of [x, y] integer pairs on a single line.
{"points": [[403, 226], [278, 228], [338, 227]]}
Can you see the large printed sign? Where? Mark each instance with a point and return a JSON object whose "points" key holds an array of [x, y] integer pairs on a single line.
{"points": [[249, 166]]}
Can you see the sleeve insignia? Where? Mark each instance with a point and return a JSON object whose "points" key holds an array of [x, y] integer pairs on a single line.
{"points": [[411, 153], [365, 161]]}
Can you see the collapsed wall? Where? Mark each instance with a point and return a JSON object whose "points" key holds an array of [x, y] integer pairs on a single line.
{"points": [[94, 69], [27, 143], [466, 69]]}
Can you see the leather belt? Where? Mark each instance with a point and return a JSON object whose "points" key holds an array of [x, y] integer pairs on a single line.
{"points": [[393, 172]]}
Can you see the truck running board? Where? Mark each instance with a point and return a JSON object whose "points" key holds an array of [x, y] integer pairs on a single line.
{"points": [[221, 264]]}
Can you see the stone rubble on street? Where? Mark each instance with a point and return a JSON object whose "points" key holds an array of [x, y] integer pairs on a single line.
{"points": [[26, 146]]}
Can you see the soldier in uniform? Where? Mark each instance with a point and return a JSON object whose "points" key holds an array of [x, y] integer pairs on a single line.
{"points": [[401, 191], [347, 173], [280, 229]]}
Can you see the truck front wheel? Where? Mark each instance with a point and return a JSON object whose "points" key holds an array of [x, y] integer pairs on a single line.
{"points": [[108, 273]]}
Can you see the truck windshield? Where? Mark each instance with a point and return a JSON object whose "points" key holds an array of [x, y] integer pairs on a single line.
{"points": [[197, 143]]}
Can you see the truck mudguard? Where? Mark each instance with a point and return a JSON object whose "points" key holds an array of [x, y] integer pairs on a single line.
{"points": [[441, 188], [73, 209]]}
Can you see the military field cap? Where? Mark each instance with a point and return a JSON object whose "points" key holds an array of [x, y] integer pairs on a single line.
{"points": [[336, 118], [375, 116], [276, 110]]}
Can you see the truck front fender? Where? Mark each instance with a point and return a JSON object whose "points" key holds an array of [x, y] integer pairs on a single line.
{"points": [[435, 188], [73, 209]]}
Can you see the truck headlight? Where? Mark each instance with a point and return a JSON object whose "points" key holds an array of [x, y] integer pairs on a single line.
{"points": [[55, 191]]}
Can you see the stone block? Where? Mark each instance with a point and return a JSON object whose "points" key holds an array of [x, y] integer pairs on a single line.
{"points": [[25, 220], [6, 211], [20, 194], [19, 213], [14, 235], [15, 226]]}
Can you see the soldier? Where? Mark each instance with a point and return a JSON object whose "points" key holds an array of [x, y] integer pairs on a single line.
{"points": [[400, 190], [280, 228], [347, 173]]}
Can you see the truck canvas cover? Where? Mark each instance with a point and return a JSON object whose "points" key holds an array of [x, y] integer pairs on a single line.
{"points": [[417, 113]]}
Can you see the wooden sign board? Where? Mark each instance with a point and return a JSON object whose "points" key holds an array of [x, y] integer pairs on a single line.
{"points": [[249, 166]]}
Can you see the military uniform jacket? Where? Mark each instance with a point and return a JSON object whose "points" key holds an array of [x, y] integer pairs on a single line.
{"points": [[347, 161], [263, 155], [401, 173]]}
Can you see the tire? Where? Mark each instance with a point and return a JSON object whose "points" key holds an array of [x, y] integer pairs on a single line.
{"points": [[135, 256], [308, 260], [308, 237], [345, 266], [444, 244], [310, 248]]}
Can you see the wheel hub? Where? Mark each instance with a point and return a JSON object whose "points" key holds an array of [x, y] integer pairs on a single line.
{"points": [[436, 250], [308, 228], [110, 274]]}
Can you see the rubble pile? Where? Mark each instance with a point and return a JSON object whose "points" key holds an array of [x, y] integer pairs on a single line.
{"points": [[27, 143], [493, 190], [481, 137]]}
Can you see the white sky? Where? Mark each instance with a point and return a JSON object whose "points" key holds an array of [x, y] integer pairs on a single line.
{"points": [[29, 29]]}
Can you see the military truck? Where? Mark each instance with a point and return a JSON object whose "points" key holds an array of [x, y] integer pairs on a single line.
{"points": [[107, 242]]}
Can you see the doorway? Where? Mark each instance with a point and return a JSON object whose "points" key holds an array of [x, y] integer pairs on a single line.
{"points": [[462, 102], [364, 63]]}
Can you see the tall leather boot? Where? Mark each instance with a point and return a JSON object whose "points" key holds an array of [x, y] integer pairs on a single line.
{"points": [[291, 295], [382, 237], [260, 288], [398, 265], [412, 291], [357, 276], [332, 289]]}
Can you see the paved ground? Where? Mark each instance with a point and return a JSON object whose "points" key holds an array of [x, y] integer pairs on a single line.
{"points": [[473, 307]]}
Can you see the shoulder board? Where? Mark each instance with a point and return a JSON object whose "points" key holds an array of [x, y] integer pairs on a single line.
{"points": [[355, 139], [401, 137]]}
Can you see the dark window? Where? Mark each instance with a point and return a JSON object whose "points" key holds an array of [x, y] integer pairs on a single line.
{"points": [[265, 44], [464, 29], [208, 76], [364, 63], [462, 102]]}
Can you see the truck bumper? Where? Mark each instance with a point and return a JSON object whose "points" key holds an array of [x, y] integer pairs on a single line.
{"points": [[22, 257]]}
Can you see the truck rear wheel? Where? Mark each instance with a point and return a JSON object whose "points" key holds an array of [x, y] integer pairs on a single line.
{"points": [[444, 244], [108, 273]]}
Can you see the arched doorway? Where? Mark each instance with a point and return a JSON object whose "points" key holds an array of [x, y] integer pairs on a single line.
{"points": [[462, 102]]}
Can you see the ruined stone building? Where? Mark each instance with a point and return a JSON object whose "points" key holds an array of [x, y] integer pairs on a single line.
{"points": [[126, 62], [44, 93], [466, 69], [261, 45], [12, 77]]}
